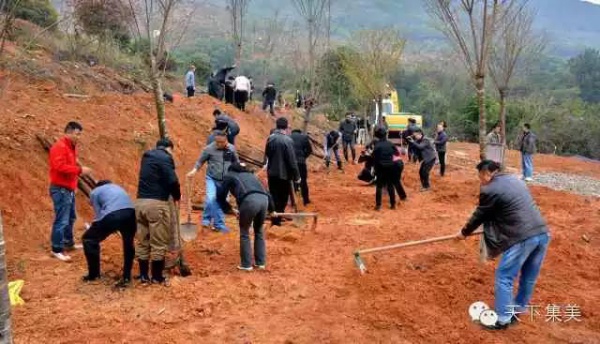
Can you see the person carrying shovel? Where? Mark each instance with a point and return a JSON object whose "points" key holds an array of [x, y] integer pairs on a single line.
{"points": [[254, 204]]}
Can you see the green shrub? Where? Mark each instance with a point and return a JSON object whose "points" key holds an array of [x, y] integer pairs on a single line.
{"points": [[39, 12]]}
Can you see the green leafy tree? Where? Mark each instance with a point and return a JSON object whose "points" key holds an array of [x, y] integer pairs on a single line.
{"points": [[586, 69]]}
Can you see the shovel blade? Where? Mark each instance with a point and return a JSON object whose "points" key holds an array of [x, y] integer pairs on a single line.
{"points": [[188, 231], [360, 264]]}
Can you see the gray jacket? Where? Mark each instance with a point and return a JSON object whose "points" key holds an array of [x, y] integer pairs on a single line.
{"points": [[426, 149], [109, 198], [527, 143], [347, 128], [218, 160], [508, 213]]}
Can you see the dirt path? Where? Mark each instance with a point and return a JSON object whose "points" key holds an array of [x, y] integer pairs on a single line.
{"points": [[312, 292]]}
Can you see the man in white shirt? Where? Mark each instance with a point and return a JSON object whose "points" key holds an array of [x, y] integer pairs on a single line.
{"points": [[241, 89]]}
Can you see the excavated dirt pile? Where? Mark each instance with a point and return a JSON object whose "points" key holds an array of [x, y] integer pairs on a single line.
{"points": [[312, 291]]}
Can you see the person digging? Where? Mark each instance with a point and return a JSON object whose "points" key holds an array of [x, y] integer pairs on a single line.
{"points": [[114, 211], [254, 204], [514, 228]]}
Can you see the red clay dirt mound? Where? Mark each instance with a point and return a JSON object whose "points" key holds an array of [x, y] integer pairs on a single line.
{"points": [[311, 292]]}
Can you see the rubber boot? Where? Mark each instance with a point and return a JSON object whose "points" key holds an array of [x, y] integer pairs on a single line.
{"points": [[157, 271], [144, 267]]}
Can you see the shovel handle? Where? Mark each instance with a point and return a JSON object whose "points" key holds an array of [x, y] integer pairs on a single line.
{"points": [[294, 214], [411, 243]]}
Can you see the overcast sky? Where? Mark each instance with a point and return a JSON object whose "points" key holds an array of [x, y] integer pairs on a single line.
{"points": [[593, 1]]}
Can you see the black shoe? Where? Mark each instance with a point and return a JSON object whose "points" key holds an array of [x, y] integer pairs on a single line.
{"points": [[123, 283], [497, 326], [88, 278], [377, 208], [393, 206], [157, 267]]}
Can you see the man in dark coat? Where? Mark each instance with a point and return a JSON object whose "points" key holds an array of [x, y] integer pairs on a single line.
{"points": [[514, 228], [269, 96], [254, 204], [303, 150], [282, 166], [348, 129], [424, 148]]}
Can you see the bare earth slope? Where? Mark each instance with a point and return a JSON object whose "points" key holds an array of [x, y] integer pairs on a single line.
{"points": [[312, 292]]}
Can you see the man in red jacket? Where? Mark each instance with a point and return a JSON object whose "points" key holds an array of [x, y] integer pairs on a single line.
{"points": [[64, 172]]}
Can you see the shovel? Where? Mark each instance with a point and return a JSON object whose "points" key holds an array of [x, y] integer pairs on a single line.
{"points": [[360, 264], [189, 230], [299, 217]]}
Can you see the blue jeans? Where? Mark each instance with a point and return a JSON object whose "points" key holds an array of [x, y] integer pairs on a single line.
{"points": [[64, 218], [335, 152], [212, 210], [527, 164], [525, 257]]}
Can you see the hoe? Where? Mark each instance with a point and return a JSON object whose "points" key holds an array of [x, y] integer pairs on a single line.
{"points": [[360, 264]]}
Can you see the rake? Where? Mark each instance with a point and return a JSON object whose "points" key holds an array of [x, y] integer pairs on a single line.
{"points": [[360, 264]]}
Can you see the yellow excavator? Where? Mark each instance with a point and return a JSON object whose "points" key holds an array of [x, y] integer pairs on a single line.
{"points": [[396, 121]]}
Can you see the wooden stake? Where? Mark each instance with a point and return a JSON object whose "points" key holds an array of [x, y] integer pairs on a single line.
{"points": [[5, 326]]}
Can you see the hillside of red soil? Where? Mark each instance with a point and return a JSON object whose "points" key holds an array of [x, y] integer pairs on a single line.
{"points": [[312, 291]]}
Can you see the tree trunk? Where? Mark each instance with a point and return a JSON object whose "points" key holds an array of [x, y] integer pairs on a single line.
{"points": [[311, 73], [159, 99], [479, 85], [503, 122], [5, 326], [380, 112], [306, 117]]}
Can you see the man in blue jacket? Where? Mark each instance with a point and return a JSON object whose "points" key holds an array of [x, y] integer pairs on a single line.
{"points": [[514, 228], [114, 212]]}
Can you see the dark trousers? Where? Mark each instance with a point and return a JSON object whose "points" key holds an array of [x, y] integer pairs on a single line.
{"points": [[240, 98], [190, 91], [280, 191], [269, 104], [228, 95], [123, 221], [345, 145], [303, 183], [442, 160], [424, 171], [253, 212], [389, 177]]}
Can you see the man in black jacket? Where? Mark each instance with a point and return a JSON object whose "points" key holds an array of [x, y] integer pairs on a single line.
{"points": [[303, 150], [348, 129], [424, 148], [269, 96], [513, 227], [158, 181], [332, 145], [224, 122], [254, 203], [282, 167], [388, 170]]}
